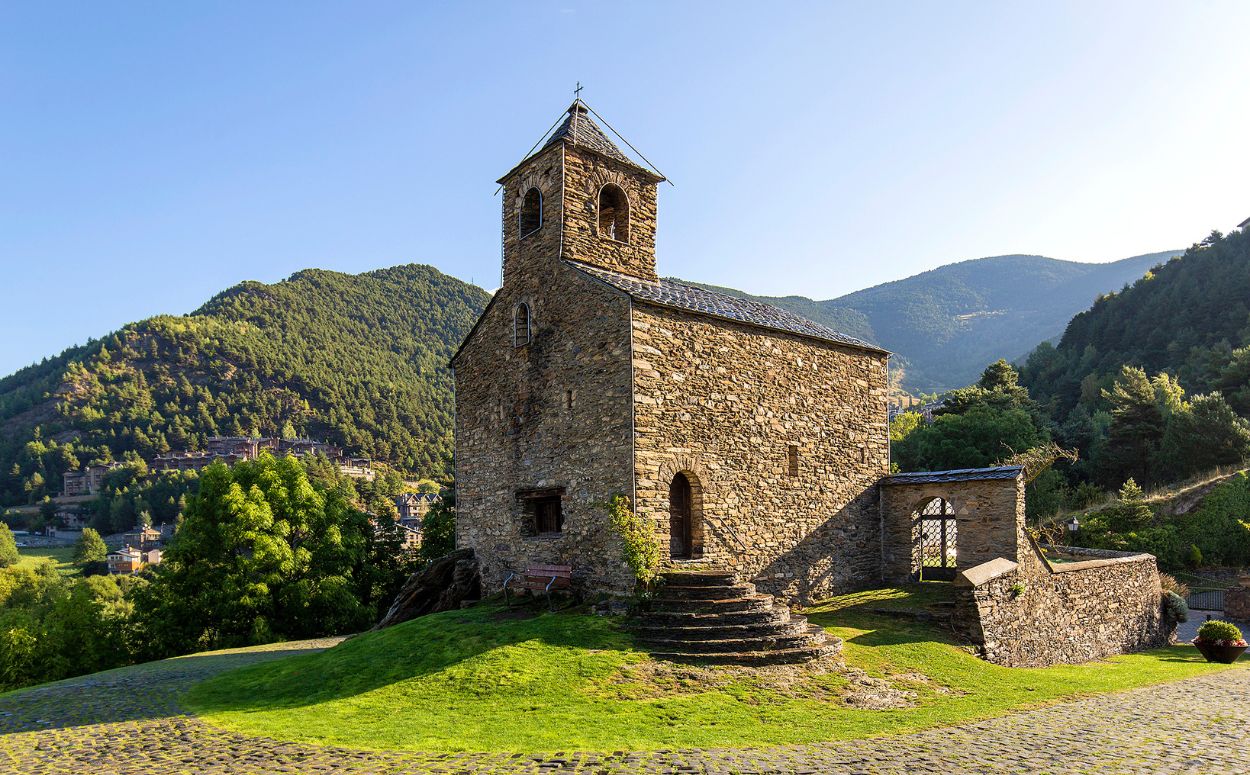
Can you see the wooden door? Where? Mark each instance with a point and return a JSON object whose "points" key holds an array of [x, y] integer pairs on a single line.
{"points": [[679, 511]]}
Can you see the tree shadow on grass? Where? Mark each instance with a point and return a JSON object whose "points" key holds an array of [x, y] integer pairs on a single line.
{"points": [[891, 616], [418, 648], [134, 693], [291, 675]]}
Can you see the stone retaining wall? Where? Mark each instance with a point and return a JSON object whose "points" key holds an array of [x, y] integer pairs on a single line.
{"points": [[1061, 613], [1237, 604]]}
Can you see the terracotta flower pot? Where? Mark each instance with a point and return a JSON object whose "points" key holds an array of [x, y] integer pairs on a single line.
{"points": [[1223, 654]]}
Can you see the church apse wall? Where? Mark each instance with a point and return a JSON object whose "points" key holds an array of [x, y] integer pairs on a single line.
{"points": [[783, 439]]}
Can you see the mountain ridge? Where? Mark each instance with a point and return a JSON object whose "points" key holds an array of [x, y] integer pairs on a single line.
{"points": [[945, 324], [357, 360]]}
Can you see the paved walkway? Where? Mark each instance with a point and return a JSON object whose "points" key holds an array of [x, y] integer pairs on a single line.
{"points": [[124, 722]]}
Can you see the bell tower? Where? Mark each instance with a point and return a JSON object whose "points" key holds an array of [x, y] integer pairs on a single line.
{"points": [[580, 198]]}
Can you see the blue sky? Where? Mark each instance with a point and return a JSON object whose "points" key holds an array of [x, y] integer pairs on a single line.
{"points": [[152, 154]]}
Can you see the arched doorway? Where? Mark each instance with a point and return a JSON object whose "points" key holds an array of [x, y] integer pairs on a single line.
{"points": [[680, 518]]}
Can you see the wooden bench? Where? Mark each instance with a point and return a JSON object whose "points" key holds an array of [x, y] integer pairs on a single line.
{"points": [[540, 578]]}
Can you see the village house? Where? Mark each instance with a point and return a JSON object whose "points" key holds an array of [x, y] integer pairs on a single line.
{"points": [[87, 481], [128, 560], [233, 449], [143, 536], [413, 506], [754, 440]]}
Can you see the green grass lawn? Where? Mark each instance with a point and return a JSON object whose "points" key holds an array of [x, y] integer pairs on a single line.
{"points": [[60, 556], [483, 680]]}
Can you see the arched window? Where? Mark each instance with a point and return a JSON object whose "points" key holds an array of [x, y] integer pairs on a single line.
{"points": [[521, 325], [531, 212], [613, 213]]}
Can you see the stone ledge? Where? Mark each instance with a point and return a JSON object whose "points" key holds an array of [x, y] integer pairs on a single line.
{"points": [[1100, 558], [985, 572]]}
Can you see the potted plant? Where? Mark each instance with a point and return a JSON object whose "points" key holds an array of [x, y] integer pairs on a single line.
{"points": [[1220, 641]]}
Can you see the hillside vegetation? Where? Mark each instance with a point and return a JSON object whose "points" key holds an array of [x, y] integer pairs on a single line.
{"points": [[1189, 318], [357, 360], [946, 324]]}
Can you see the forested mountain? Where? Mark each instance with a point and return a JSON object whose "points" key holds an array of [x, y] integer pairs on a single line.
{"points": [[357, 360], [1186, 318], [946, 324], [1154, 382]]}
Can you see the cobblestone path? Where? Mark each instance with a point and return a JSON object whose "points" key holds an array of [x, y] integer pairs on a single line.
{"points": [[127, 721]]}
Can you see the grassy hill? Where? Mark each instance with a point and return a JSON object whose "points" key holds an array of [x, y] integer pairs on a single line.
{"points": [[946, 324], [488, 679], [358, 360]]}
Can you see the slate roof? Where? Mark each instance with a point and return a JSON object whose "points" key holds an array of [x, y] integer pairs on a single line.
{"points": [[956, 475], [580, 129], [691, 298]]}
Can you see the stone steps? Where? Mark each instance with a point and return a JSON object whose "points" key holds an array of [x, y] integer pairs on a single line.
{"points": [[704, 619], [755, 658], [742, 604], [795, 626], [709, 616], [708, 591]]}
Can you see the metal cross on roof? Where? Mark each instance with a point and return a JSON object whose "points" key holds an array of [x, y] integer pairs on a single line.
{"points": [[577, 93]]}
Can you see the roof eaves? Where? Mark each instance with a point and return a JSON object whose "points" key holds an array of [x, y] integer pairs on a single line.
{"points": [[847, 342], [451, 362], [999, 473]]}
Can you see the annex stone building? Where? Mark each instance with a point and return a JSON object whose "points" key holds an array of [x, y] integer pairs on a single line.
{"points": [[755, 440]]}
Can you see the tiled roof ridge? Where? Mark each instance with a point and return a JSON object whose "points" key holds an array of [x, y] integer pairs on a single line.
{"points": [[692, 298]]}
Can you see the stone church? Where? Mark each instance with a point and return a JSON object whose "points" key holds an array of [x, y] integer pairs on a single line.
{"points": [[755, 440]]}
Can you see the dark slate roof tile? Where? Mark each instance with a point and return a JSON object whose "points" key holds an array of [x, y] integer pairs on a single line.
{"points": [[679, 295], [579, 129], [956, 475]]}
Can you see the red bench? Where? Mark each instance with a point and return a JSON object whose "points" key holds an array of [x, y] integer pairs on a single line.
{"points": [[540, 578]]}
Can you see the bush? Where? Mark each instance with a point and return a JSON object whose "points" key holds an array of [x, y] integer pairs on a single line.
{"points": [[642, 550], [1175, 607], [8, 547], [1216, 630], [1017, 589], [1170, 584], [1194, 557]]}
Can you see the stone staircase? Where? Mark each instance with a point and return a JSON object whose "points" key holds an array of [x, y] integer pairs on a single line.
{"points": [[709, 616]]}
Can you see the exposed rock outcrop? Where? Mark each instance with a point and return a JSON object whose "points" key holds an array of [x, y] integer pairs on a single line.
{"points": [[443, 586]]}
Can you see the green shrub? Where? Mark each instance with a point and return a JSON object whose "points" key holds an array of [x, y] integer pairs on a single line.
{"points": [[1175, 607], [1194, 558], [642, 550], [1218, 630], [8, 547], [1017, 589]]}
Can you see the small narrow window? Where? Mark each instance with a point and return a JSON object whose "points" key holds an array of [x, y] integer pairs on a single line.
{"points": [[613, 213], [569, 397], [531, 212], [521, 325], [792, 459]]}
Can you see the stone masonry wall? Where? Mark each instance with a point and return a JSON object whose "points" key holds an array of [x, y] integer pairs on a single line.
{"points": [[989, 516], [1067, 613], [1237, 604], [723, 403], [554, 413], [585, 174]]}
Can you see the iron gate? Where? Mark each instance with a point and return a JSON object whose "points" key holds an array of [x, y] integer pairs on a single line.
{"points": [[938, 532]]}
